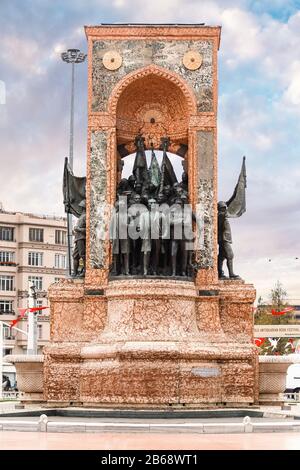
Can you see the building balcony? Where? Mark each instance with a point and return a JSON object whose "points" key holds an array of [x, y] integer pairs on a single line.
{"points": [[8, 267], [7, 316], [8, 244], [23, 294], [8, 293], [9, 341]]}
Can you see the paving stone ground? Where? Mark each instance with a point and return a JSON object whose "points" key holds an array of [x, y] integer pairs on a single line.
{"points": [[123, 441]]}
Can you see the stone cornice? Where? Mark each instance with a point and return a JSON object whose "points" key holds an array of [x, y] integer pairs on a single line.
{"points": [[203, 120], [101, 121], [153, 31]]}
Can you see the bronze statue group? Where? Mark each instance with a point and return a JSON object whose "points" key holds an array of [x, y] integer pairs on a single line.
{"points": [[150, 232], [151, 225]]}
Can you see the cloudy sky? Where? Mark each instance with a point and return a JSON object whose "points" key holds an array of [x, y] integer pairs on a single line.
{"points": [[259, 112]]}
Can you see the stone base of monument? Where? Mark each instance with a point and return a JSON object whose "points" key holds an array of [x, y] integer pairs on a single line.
{"points": [[151, 342], [29, 371]]}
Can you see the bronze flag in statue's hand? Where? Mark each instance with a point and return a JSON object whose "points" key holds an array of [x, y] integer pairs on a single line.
{"points": [[154, 171], [73, 191], [236, 206]]}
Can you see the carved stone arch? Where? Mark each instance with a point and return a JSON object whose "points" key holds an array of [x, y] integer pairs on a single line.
{"points": [[154, 102], [152, 70]]}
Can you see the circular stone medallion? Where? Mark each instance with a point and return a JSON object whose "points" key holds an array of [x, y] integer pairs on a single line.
{"points": [[112, 60], [192, 60]]}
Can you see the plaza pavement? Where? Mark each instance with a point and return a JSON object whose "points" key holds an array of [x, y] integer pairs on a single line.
{"points": [[10, 440], [127, 439]]}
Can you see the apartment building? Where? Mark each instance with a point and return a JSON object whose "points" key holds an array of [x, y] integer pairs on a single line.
{"points": [[32, 248]]}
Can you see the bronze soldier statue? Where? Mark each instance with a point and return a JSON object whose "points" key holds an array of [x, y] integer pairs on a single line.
{"points": [[80, 239], [140, 171], [225, 241], [134, 213], [153, 229], [119, 237], [178, 245]]}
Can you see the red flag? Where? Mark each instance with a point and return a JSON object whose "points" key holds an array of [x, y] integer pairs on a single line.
{"points": [[259, 341], [22, 314], [22, 311], [282, 312], [36, 309]]}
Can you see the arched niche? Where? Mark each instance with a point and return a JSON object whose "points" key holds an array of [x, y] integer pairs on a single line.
{"points": [[153, 102]]}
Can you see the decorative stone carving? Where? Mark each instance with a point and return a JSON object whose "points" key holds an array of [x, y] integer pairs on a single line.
{"points": [[192, 60], [164, 54], [112, 60]]}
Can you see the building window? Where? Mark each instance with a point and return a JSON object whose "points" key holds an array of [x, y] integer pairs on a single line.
{"points": [[57, 279], [60, 261], [6, 351], [37, 281], [7, 257], [7, 332], [6, 282], [35, 258], [7, 234], [40, 331], [36, 234], [6, 306], [60, 237]]}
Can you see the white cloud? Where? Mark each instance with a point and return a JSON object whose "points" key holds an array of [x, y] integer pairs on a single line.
{"points": [[119, 3], [265, 274], [240, 35], [23, 54], [2, 92], [292, 93]]}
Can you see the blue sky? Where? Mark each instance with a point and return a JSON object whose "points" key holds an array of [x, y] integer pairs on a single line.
{"points": [[259, 112]]}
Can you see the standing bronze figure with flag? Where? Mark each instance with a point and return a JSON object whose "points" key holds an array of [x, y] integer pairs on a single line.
{"points": [[234, 207], [74, 202]]}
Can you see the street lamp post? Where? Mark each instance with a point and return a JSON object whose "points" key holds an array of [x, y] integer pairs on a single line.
{"points": [[71, 56], [32, 320]]}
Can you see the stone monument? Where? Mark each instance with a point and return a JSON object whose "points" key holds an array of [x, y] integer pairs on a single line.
{"points": [[130, 332]]}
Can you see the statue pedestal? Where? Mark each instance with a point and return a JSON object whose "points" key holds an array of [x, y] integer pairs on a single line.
{"points": [[156, 348]]}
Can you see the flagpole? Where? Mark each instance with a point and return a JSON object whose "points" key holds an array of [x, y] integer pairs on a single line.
{"points": [[72, 56], [69, 229], [32, 321]]}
